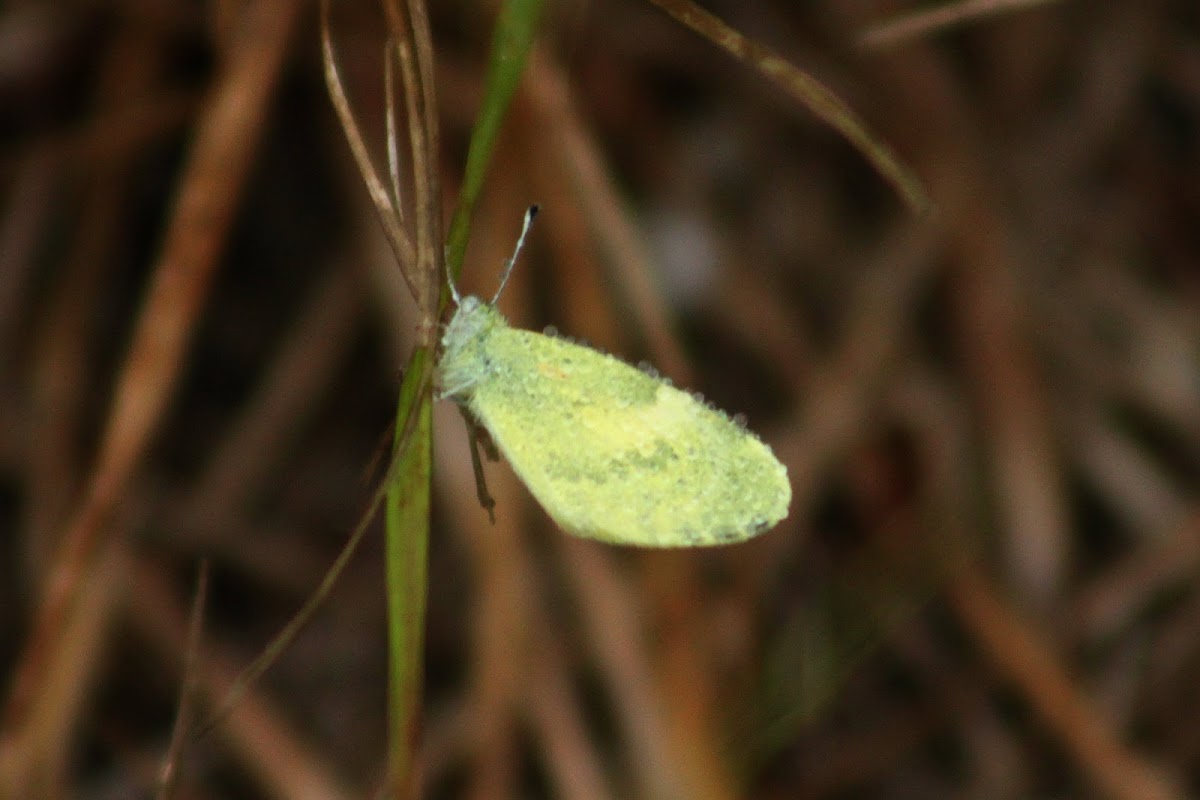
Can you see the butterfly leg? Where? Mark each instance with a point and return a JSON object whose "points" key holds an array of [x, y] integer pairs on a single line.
{"points": [[479, 438]]}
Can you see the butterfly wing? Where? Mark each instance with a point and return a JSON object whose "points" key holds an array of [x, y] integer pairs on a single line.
{"points": [[615, 454]]}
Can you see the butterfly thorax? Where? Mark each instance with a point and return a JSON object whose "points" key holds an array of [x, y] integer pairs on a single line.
{"points": [[463, 362]]}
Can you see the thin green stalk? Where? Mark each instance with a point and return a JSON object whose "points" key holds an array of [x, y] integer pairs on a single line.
{"points": [[407, 549], [511, 42], [408, 501]]}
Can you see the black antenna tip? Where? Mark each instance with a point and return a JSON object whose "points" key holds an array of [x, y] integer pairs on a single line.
{"points": [[533, 210]]}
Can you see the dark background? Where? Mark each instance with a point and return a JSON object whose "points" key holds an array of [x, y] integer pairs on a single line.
{"points": [[986, 586]]}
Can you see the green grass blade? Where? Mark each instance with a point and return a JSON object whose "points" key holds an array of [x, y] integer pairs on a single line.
{"points": [[515, 29], [407, 549], [408, 501]]}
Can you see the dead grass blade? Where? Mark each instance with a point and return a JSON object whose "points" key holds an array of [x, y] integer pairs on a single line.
{"points": [[809, 91]]}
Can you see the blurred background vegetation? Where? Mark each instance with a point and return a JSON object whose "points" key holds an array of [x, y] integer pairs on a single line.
{"points": [[987, 583]]}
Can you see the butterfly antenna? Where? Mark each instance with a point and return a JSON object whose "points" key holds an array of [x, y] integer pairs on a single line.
{"points": [[454, 295], [508, 265]]}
